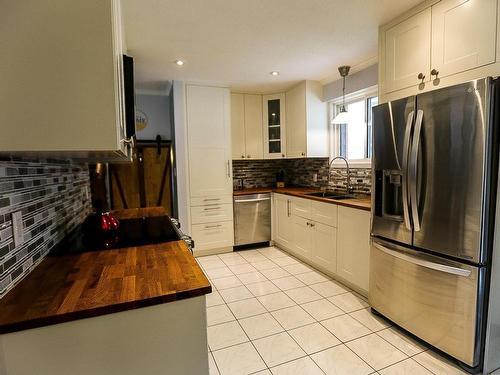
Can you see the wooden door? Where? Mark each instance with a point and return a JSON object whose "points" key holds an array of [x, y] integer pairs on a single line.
{"points": [[146, 182], [408, 52], [238, 126], [463, 35], [253, 127]]}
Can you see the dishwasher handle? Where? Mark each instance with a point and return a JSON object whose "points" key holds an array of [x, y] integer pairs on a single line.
{"points": [[251, 200]]}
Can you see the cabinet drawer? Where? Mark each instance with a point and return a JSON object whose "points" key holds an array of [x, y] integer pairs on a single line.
{"points": [[213, 235], [211, 213], [325, 213], [301, 207], [201, 201]]}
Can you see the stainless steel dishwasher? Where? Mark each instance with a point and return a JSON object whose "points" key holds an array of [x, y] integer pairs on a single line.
{"points": [[252, 219]]}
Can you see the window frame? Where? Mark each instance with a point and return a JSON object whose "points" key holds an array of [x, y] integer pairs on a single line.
{"points": [[334, 131]]}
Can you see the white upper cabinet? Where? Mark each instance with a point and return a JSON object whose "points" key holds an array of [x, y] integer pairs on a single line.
{"points": [[274, 128], [61, 84], [444, 42], [253, 127], [306, 121], [208, 116], [408, 52], [238, 126], [246, 126], [463, 35]]}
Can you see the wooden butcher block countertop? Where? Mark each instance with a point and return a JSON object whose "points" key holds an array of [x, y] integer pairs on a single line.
{"points": [[75, 286], [362, 203]]}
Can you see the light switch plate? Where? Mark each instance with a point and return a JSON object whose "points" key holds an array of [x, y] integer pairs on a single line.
{"points": [[17, 228]]}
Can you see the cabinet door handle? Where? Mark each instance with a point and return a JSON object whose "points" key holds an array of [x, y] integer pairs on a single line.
{"points": [[228, 169], [434, 72], [243, 156], [288, 207], [248, 156], [303, 154], [421, 76]]}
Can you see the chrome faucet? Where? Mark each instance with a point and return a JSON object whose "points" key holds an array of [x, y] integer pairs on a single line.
{"points": [[348, 184]]}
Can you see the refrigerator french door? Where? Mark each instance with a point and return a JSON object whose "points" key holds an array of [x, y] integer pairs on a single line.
{"points": [[434, 163]]}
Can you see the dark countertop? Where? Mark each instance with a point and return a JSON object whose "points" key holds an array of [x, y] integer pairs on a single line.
{"points": [[359, 203], [76, 286]]}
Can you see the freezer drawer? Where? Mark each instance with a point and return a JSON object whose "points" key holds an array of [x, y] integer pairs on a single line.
{"points": [[431, 297]]}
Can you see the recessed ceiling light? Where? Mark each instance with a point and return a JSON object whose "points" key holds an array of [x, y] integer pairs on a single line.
{"points": [[179, 62], [275, 73]]}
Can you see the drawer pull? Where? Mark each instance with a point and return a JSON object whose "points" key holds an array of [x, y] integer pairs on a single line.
{"points": [[212, 208], [211, 199], [213, 226]]}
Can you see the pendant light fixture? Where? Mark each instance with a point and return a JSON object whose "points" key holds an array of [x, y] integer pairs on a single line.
{"points": [[342, 117]]}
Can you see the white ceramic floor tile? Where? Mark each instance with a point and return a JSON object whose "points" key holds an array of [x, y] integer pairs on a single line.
{"points": [[272, 252], [212, 368], [255, 258], [348, 302], [264, 372], [401, 341], [247, 307], [406, 367], [329, 288], [232, 261], [276, 301], [372, 321], [278, 349], [229, 255], [251, 277], [262, 288], [313, 338], [345, 328], [264, 265], [285, 261], [313, 277], [239, 269], [292, 317], [322, 309], [303, 295], [214, 299], [226, 282], [241, 359], [301, 366], [295, 269], [218, 314], [275, 273], [260, 326], [375, 351], [339, 360], [211, 263], [235, 294], [226, 334], [216, 273], [289, 282], [437, 365]]}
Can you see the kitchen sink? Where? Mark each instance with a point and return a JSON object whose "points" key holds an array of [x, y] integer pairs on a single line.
{"points": [[330, 195]]}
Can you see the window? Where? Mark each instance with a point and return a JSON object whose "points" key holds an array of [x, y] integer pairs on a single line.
{"points": [[353, 141]]}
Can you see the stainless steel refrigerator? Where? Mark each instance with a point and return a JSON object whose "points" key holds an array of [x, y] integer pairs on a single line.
{"points": [[435, 167]]}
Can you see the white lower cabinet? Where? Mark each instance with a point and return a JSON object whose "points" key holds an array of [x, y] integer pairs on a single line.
{"points": [[353, 246], [212, 235], [335, 239], [282, 218]]}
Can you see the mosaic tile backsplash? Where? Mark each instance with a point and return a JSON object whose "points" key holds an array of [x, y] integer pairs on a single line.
{"points": [[300, 172], [53, 196]]}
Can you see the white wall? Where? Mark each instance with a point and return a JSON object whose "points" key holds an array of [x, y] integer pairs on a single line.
{"points": [[354, 82], [157, 110]]}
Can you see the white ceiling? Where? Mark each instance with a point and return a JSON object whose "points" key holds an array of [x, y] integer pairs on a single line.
{"points": [[237, 43]]}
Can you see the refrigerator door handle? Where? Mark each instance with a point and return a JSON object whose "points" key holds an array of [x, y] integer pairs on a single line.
{"points": [[413, 170], [406, 151], [422, 262]]}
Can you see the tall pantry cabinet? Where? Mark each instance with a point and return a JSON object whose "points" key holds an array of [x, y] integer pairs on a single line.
{"points": [[210, 169]]}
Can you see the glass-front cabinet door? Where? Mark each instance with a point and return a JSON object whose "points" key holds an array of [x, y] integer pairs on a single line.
{"points": [[274, 126]]}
